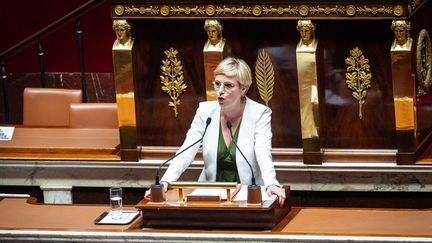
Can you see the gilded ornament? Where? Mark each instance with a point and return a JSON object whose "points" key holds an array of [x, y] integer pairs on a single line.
{"points": [[327, 10], [119, 10], [358, 76], [414, 4], [351, 10], [294, 10], [303, 10], [131, 9], [401, 30], [142, 10], [172, 78], [398, 10], [122, 28], [264, 73], [424, 63], [233, 10], [164, 10], [280, 10], [215, 41], [188, 10], [256, 10], [210, 10], [375, 10]]}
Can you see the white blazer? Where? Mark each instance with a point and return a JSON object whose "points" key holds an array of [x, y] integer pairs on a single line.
{"points": [[254, 140]]}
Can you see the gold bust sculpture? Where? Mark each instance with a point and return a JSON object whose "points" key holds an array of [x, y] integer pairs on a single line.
{"points": [[401, 30], [307, 33], [215, 41], [122, 29]]}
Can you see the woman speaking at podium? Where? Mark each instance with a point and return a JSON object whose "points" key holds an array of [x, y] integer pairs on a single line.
{"points": [[232, 120]]}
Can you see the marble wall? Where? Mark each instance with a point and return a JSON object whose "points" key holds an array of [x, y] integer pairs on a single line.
{"points": [[56, 178]]}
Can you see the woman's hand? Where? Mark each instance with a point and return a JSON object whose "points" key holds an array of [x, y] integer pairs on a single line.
{"points": [[164, 184], [279, 192]]}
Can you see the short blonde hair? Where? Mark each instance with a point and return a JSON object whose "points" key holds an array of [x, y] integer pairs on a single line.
{"points": [[236, 68]]}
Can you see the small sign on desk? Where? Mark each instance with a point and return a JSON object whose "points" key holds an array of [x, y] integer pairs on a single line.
{"points": [[126, 217], [6, 133]]}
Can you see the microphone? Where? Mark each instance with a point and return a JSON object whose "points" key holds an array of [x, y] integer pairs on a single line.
{"points": [[156, 189], [229, 125], [254, 191]]}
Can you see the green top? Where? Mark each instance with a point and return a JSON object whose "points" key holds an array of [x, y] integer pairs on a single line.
{"points": [[226, 159]]}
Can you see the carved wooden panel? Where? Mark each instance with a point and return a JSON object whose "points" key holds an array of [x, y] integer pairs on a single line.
{"points": [[342, 127], [155, 122]]}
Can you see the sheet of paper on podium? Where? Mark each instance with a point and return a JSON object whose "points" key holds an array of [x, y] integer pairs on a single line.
{"points": [[237, 194], [126, 217], [6, 133]]}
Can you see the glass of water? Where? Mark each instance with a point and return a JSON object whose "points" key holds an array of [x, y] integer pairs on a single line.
{"points": [[116, 199]]}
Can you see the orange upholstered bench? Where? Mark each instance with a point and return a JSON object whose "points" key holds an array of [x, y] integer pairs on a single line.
{"points": [[93, 115], [48, 106]]}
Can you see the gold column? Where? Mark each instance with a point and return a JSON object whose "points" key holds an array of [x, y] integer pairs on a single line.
{"points": [[124, 83], [213, 53], [308, 92], [403, 92]]}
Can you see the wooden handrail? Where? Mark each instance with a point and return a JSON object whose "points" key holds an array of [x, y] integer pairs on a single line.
{"points": [[41, 34]]}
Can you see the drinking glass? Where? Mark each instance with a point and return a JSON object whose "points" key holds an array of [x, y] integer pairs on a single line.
{"points": [[116, 199]]}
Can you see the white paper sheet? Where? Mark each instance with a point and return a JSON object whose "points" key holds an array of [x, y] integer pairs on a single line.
{"points": [[6, 133], [127, 216], [241, 195]]}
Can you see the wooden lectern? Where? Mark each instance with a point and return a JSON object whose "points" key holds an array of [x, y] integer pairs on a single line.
{"points": [[212, 214]]}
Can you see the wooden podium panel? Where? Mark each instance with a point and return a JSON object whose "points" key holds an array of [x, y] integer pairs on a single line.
{"points": [[212, 215]]}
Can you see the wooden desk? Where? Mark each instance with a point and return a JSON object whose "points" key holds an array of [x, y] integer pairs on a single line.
{"points": [[212, 214], [61, 143], [25, 213], [358, 221], [24, 220]]}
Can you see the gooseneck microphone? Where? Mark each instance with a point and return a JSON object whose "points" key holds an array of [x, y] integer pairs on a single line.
{"points": [[254, 191], [157, 181], [157, 193], [229, 125]]}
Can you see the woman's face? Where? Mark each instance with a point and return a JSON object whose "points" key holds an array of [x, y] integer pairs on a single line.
{"points": [[229, 91]]}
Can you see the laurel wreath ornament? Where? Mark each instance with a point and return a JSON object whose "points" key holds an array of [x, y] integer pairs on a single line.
{"points": [[424, 63]]}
